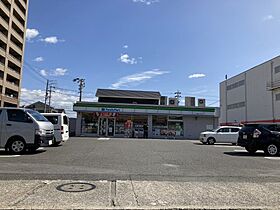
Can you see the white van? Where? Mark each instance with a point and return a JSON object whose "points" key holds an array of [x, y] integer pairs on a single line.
{"points": [[22, 129], [60, 122]]}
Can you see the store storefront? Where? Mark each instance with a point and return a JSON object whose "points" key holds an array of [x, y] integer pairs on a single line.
{"points": [[134, 121]]}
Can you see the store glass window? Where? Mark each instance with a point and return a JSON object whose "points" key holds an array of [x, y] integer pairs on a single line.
{"points": [[89, 123], [160, 127], [176, 128], [120, 124], [175, 125]]}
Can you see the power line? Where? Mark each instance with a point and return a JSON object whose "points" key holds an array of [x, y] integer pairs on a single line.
{"points": [[214, 103], [34, 70], [36, 77]]}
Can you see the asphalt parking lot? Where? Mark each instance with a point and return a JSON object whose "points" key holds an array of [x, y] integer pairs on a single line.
{"points": [[143, 160]]}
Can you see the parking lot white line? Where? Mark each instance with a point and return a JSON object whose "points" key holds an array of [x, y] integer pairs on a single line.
{"points": [[41, 148], [240, 150], [243, 150], [103, 139], [229, 146], [9, 156], [272, 158]]}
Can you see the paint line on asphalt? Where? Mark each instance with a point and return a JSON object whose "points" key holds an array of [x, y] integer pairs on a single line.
{"points": [[226, 146], [243, 150], [9, 156], [240, 150], [272, 158], [103, 139], [170, 165]]}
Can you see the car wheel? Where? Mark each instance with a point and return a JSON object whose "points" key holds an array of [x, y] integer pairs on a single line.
{"points": [[17, 146], [251, 150], [211, 141], [271, 150]]}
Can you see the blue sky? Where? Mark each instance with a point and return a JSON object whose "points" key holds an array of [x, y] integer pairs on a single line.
{"points": [[145, 45]]}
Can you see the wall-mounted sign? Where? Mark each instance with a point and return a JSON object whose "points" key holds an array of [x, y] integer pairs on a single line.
{"points": [[106, 114], [110, 109]]}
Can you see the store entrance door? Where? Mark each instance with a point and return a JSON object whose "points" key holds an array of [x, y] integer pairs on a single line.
{"points": [[106, 126]]}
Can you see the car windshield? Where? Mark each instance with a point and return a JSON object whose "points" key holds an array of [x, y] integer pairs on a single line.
{"points": [[37, 116]]}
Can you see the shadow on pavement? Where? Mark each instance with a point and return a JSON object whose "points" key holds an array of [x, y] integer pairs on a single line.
{"points": [[197, 143], [244, 154]]}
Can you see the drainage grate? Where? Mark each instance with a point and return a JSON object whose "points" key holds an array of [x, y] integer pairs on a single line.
{"points": [[76, 187]]}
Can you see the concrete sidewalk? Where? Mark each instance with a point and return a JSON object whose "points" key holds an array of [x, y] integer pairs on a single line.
{"points": [[138, 195]]}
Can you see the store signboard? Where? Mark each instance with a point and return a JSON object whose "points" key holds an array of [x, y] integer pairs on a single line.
{"points": [[110, 109], [106, 114]]}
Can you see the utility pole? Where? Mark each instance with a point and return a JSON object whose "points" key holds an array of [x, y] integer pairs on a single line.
{"points": [[46, 96], [82, 84], [50, 95], [178, 95]]}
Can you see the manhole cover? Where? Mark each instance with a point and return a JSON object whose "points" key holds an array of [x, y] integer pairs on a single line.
{"points": [[76, 187]]}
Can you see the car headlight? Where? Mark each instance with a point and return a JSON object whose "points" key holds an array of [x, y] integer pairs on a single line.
{"points": [[204, 135], [41, 132]]}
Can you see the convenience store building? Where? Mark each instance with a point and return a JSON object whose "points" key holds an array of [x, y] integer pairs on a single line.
{"points": [[126, 113]]}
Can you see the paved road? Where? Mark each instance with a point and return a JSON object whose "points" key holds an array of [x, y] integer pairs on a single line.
{"points": [[140, 160]]}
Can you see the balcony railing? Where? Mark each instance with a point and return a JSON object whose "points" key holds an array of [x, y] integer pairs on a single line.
{"points": [[19, 24], [4, 23], [14, 73], [273, 85], [3, 37], [5, 8]]}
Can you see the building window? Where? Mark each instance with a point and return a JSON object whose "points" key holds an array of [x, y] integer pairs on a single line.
{"points": [[277, 69], [236, 105], [89, 123], [277, 97], [236, 85]]}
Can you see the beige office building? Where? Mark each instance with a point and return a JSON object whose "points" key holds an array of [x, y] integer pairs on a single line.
{"points": [[13, 18]]}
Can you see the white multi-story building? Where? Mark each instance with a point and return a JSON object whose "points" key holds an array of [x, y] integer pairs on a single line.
{"points": [[252, 96]]}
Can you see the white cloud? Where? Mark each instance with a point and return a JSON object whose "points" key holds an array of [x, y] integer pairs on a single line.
{"points": [[39, 59], [147, 2], [135, 79], [55, 72], [52, 40], [126, 59], [31, 33], [44, 72], [59, 72], [125, 46], [197, 76], [60, 99], [268, 17]]}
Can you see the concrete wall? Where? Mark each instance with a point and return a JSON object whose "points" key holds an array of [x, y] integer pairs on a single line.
{"points": [[259, 100], [260, 103], [193, 126]]}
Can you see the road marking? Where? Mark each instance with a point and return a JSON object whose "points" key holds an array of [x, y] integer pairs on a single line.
{"points": [[240, 150], [170, 165], [272, 158], [229, 146], [41, 148], [103, 139], [9, 156]]}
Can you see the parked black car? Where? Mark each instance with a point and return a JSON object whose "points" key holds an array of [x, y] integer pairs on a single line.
{"points": [[264, 137]]}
